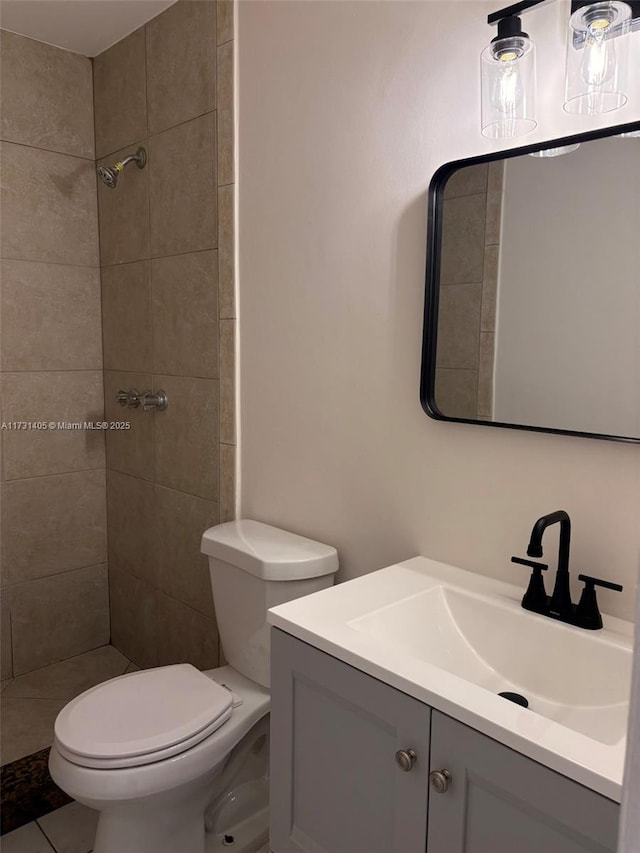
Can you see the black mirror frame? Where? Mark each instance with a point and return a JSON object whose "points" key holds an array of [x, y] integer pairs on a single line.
{"points": [[432, 285]]}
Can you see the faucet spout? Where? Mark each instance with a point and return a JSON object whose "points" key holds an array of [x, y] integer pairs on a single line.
{"points": [[560, 603]]}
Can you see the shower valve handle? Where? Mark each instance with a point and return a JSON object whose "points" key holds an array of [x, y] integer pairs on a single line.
{"points": [[157, 401], [130, 398], [149, 401]]}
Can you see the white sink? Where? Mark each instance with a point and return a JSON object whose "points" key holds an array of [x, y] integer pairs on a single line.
{"points": [[569, 675], [455, 640]]}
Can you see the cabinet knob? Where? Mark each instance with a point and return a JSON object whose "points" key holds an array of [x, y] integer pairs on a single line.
{"points": [[406, 759], [440, 780]]}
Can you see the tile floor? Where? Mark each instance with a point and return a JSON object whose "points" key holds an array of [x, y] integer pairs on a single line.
{"points": [[30, 703], [70, 829]]}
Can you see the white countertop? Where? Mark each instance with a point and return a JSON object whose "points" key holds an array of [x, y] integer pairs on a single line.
{"points": [[328, 620]]}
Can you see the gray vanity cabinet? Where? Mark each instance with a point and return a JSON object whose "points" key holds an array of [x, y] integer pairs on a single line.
{"points": [[499, 801], [336, 785]]}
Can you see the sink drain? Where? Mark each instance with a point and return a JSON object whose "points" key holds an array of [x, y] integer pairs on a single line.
{"points": [[515, 697]]}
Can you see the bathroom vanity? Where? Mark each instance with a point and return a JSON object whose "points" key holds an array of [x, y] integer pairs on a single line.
{"points": [[388, 735]]}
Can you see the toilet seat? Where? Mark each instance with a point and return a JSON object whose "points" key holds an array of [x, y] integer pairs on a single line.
{"points": [[101, 786], [142, 717]]}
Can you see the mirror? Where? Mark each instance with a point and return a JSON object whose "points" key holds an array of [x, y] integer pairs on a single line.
{"points": [[532, 311]]}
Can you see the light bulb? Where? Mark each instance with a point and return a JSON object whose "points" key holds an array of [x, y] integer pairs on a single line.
{"points": [[507, 92], [599, 57]]}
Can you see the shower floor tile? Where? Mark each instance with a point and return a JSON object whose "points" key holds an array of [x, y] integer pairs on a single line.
{"points": [[68, 678], [27, 726], [30, 703]]}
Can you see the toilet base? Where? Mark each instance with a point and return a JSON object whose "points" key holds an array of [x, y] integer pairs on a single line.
{"points": [[249, 836], [156, 826]]}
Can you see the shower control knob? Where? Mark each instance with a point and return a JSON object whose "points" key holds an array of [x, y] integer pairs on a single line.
{"points": [[129, 398], [157, 401], [440, 780], [406, 758]]}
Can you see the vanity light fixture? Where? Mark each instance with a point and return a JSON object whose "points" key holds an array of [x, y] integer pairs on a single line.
{"points": [[508, 82], [597, 58], [596, 65]]}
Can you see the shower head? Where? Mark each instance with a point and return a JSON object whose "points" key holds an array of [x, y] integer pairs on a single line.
{"points": [[110, 174]]}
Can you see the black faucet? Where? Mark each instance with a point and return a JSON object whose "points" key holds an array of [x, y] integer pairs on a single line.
{"points": [[559, 605]]}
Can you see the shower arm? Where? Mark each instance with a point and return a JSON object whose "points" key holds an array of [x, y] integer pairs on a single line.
{"points": [[139, 158], [131, 158]]}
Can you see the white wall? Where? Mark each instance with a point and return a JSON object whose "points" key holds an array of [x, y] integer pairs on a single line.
{"points": [[568, 351], [345, 111]]}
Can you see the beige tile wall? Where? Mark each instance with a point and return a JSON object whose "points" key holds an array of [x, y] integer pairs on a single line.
{"points": [[166, 239], [52, 491], [468, 284]]}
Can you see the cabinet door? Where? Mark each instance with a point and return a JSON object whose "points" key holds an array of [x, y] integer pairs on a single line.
{"points": [[498, 801], [336, 786]]}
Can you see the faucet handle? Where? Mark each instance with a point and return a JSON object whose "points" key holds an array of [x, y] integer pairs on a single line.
{"points": [[587, 612], [599, 582], [535, 598], [531, 563]]}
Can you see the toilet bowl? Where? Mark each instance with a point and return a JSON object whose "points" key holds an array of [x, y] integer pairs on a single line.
{"points": [[162, 754]]}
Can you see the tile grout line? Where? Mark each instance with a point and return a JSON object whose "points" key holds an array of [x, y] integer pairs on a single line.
{"points": [[47, 150], [60, 474], [46, 262], [158, 485], [153, 335], [41, 828], [70, 657], [160, 257], [7, 371], [56, 699], [64, 572], [151, 135]]}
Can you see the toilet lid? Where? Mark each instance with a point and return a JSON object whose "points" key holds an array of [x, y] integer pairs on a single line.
{"points": [[138, 715]]}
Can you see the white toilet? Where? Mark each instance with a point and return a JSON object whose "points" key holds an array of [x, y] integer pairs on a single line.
{"points": [[162, 752]]}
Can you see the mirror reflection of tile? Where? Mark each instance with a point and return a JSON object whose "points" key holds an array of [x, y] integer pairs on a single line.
{"points": [[469, 275]]}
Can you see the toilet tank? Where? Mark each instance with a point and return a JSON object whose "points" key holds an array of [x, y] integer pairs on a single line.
{"points": [[253, 567]]}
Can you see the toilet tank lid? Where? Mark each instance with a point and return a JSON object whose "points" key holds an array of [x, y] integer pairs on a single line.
{"points": [[268, 552]]}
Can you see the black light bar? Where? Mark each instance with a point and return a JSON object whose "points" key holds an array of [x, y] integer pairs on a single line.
{"points": [[524, 5], [514, 9]]}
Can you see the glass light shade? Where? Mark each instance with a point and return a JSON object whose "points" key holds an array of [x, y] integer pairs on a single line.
{"points": [[508, 73], [597, 58], [555, 152]]}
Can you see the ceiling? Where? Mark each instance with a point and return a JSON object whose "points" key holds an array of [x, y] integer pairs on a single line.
{"points": [[83, 26]]}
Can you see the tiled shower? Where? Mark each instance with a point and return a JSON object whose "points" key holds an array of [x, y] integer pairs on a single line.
{"points": [[107, 289]]}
